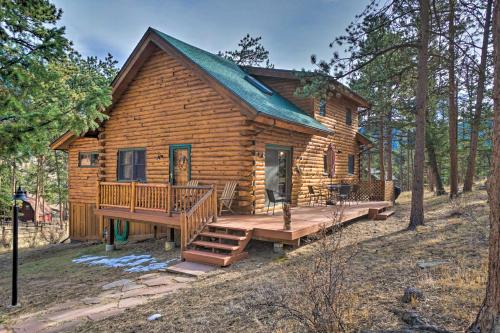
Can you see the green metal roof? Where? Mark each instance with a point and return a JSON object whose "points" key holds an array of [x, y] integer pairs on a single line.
{"points": [[231, 76]]}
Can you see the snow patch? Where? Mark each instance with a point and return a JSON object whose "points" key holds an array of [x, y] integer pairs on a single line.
{"points": [[133, 262]]}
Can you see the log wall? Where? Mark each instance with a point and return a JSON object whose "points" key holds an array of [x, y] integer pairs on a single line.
{"points": [[167, 103], [308, 151]]}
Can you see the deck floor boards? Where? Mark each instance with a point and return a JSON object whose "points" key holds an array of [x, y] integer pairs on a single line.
{"points": [[305, 220]]}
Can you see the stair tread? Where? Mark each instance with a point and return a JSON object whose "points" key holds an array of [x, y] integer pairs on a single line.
{"points": [[215, 245], [220, 235], [386, 213], [228, 228], [208, 254]]}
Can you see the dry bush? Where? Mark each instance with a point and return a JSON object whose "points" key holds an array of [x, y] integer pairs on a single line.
{"points": [[53, 234], [312, 296]]}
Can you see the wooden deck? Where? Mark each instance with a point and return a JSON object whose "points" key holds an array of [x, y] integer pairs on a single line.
{"points": [[305, 221]]}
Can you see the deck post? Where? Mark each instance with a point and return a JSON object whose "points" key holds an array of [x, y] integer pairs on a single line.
{"points": [[214, 203], [183, 233], [132, 197], [110, 246], [98, 196], [169, 199]]}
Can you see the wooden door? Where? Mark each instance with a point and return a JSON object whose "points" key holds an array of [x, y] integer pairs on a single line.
{"points": [[180, 164]]}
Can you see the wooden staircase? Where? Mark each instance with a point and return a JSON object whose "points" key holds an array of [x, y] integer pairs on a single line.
{"points": [[381, 213], [218, 246]]}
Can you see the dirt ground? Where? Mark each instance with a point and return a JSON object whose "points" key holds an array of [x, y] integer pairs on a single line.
{"points": [[226, 300]]}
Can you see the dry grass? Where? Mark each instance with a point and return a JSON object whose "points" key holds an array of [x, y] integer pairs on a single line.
{"points": [[47, 276], [384, 266]]}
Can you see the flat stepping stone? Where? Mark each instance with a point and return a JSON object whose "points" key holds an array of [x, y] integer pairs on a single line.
{"points": [[154, 291], [148, 276], [105, 314], [132, 286], [31, 325], [184, 279], [132, 302], [158, 281], [190, 268], [64, 327], [119, 283], [81, 312]]}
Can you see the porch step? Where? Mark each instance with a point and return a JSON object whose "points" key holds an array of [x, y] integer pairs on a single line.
{"points": [[219, 252], [222, 236], [384, 215], [373, 212], [214, 245], [210, 258]]}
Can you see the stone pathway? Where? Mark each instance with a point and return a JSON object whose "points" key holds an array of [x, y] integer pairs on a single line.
{"points": [[115, 298]]}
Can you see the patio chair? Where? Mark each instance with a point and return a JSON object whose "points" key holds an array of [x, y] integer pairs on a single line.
{"points": [[313, 195], [272, 199], [187, 198], [344, 193], [227, 197]]}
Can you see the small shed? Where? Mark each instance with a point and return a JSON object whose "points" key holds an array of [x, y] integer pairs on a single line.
{"points": [[28, 210]]}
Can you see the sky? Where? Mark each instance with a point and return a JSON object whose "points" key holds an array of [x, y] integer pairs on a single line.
{"points": [[291, 30]]}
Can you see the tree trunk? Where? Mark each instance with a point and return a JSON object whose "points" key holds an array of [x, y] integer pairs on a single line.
{"points": [[13, 179], [433, 164], [37, 190], [381, 148], [474, 135], [452, 105], [430, 178], [388, 146], [488, 318], [417, 191]]}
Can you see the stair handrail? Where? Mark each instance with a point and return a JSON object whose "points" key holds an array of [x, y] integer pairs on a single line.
{"points": [[194, 220]]}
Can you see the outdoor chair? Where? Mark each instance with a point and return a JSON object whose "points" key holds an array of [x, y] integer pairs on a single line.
{"points": [[344, 193], [313, 195], [188, 197], [227, 196], [272, 199]]}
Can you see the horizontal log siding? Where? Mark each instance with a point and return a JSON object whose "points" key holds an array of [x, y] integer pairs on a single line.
{"points": [[166, 104], [83, 223], [308, 150], [81, 181]]}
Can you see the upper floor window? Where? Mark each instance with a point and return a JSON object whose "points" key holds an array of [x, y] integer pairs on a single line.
{"points": [[322, 107], [348, 117], [350, 164], [132, 164], [87, 159]]}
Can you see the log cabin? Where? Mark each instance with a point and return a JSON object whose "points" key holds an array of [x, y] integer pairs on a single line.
{"points": [[184, 122]]}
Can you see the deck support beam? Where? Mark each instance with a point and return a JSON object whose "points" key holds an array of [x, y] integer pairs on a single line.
{"points": [[110, 245]]}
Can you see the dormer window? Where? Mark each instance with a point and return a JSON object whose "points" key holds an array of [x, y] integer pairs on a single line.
{"points": [[322, 107]]}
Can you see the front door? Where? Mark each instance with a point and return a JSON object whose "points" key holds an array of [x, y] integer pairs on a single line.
{"points": [[279, 171], [180, 164]]}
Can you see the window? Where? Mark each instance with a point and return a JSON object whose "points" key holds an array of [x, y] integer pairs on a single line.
{"points": [[87, 159], [350, 164], [132, 164], [253, 81], [322, 107], [348, 117]]}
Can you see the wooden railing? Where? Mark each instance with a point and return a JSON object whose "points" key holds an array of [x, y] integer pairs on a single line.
{"points": [[198, 216], [160, 197]]}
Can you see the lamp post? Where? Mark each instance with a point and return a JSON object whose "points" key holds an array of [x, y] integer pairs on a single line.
{"points": [[19, 195]]}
